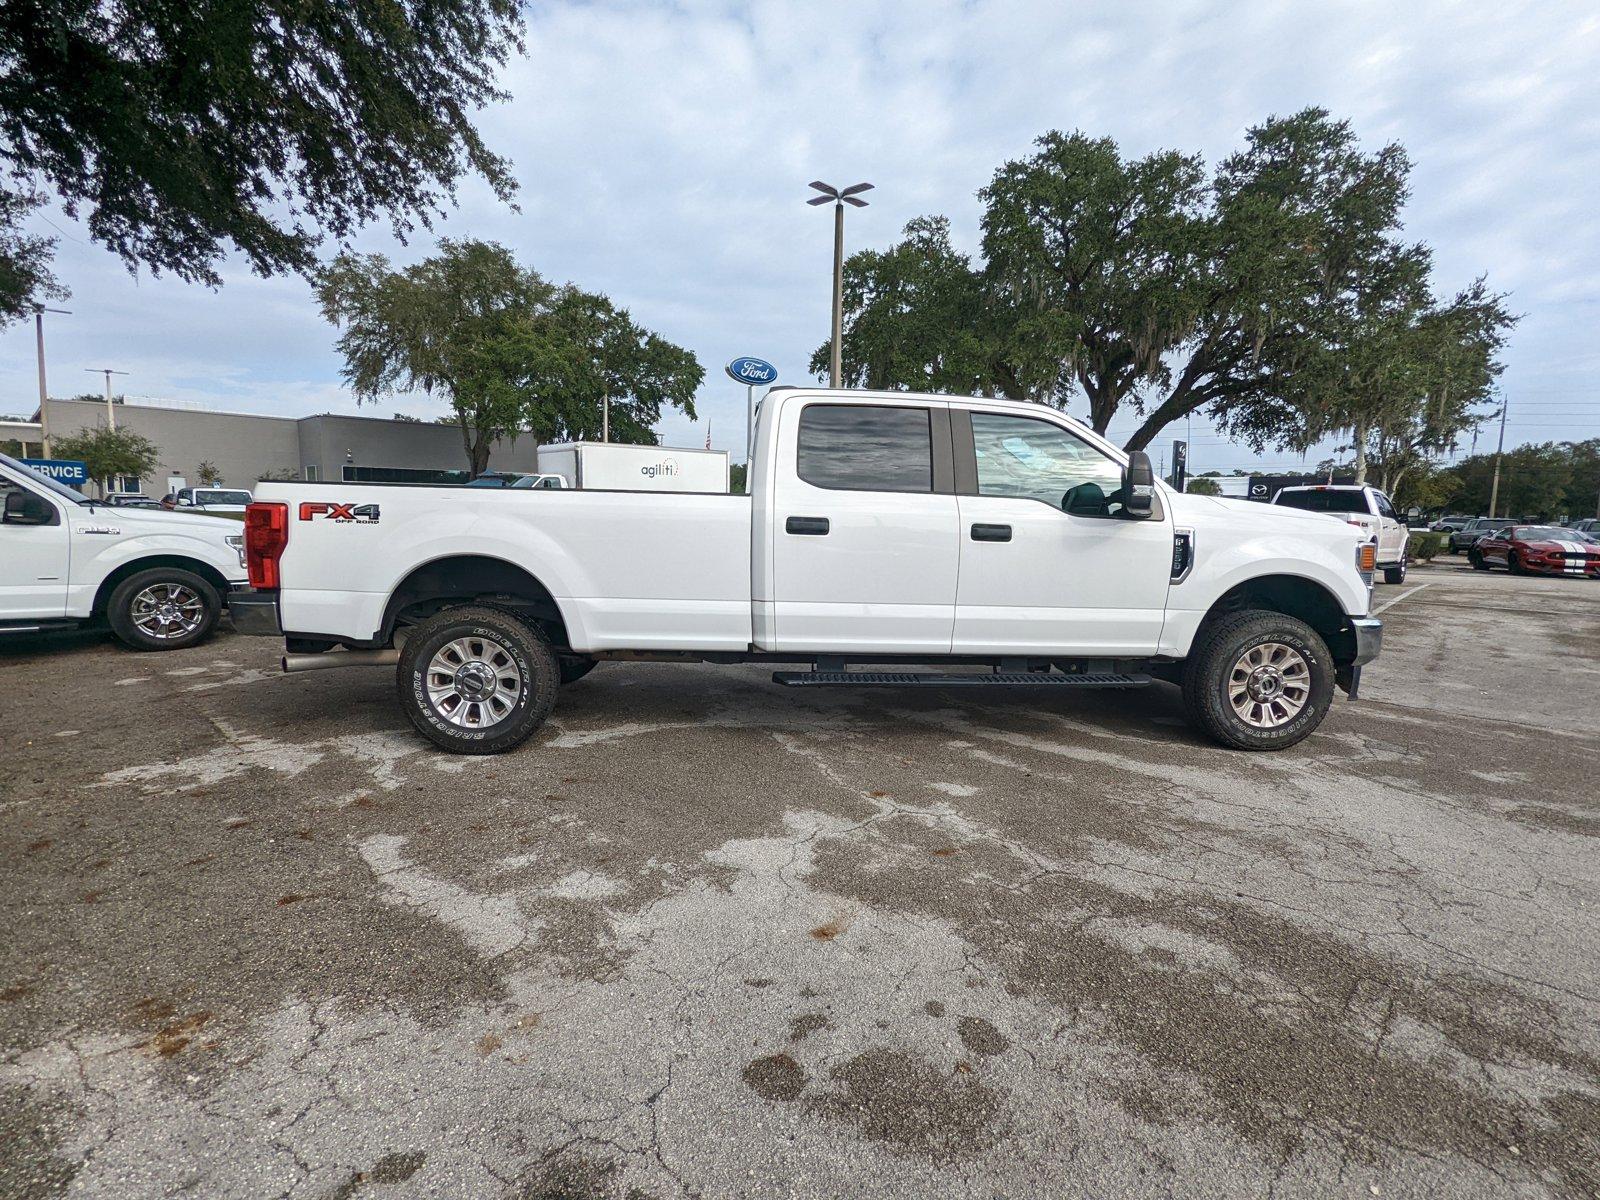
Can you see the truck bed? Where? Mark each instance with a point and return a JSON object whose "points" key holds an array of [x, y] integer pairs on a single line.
{"points": [[628, 569]]}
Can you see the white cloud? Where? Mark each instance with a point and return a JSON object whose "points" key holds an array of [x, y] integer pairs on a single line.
{"points": [[663, 152]]}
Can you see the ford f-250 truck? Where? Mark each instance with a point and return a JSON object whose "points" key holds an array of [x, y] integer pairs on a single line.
{"points": [[999, 543], [157, 578]]}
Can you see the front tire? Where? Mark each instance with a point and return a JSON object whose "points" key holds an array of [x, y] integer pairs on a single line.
{"points": [[164, 608], [1514, 564], [477, 680], [1258, 680]]}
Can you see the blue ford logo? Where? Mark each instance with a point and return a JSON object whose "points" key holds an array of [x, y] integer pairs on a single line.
{"points": [[752, 372]]}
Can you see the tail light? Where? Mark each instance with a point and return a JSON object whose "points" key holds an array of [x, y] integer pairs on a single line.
{"points": [[266, 533], [1366, 558]]}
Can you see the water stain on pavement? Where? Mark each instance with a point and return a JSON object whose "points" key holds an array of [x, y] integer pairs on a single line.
{"points": [[912, 1106]]}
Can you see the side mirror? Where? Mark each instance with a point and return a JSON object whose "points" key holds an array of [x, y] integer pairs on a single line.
{"points": [[24, 508], [1138, 486]]}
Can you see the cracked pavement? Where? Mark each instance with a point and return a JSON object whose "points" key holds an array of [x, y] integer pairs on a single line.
{"points": [[708, 936]]}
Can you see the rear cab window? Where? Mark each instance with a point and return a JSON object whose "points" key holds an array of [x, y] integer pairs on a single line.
{"points": [[866, 447], [1328, 501]]}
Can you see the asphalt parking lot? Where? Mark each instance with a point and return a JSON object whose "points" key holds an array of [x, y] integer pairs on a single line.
{"points": [[708, 936]]}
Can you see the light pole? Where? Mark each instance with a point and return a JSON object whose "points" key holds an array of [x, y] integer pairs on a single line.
{"points": [[850, 195], [1494, 488], [111, 414], [39, 311]]}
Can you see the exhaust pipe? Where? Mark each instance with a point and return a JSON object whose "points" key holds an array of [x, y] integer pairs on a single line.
{"points": [[293, 664]]}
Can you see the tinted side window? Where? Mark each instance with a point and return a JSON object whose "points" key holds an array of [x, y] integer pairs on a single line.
{"points": [[1385, 509], [1322, 501], [866, 448], [1020, 456]]}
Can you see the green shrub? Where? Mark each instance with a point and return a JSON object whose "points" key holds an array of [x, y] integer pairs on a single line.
{"points": [[1423, 545]]}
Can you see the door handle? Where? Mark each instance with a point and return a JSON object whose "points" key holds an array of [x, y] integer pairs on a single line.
{"points": [[991, 533], [813, 526]]}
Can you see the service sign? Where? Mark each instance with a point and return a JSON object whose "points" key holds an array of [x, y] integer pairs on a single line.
{"points": [[752, 372], [62, 470]]}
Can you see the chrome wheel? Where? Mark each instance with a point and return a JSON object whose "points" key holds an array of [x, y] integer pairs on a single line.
{"points": [[1269, 685], [167, 611], [473, 682]]}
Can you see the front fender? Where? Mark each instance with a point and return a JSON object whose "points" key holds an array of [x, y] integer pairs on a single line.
{"points": [[92, 562], [1325, 558]]}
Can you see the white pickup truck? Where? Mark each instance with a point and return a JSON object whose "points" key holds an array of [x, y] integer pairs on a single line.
{"points": [[157, 578], [998, 543]]}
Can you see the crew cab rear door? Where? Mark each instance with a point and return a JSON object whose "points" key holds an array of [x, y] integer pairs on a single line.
{"points": [[864, 541]]}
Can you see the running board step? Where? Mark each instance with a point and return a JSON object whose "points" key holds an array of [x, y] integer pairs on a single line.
{"points": [[953, 679]]}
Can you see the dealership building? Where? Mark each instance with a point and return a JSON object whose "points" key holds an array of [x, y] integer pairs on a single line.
{"points": [[245, 446]]}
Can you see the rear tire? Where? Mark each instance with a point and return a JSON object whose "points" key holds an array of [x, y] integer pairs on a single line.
{"points": [[164, 608], [1258, 680], [1476, 560], [1395, 574], [574, 667], [1514, 564], [477, 680]]}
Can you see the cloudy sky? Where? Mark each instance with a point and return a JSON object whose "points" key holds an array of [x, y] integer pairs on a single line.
{"points": [[663, 152]]}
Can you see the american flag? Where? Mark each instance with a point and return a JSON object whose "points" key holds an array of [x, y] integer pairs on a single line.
{"points": [[708, 435]]}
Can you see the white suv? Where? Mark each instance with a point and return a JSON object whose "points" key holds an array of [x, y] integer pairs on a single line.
{"points": [[1364, 507]]}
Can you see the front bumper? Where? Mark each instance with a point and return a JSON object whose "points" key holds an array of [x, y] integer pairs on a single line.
{"points": [[1369, 639], [255, 613]]}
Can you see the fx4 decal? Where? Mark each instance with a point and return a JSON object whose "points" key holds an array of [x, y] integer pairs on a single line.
{"points": [[359, 514]]}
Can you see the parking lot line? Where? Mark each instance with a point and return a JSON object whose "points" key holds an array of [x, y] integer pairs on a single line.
{"points": [[1391, 603]]}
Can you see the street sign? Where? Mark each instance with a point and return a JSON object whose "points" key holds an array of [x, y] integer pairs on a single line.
{"points": [[62, 470], [752, 372]]}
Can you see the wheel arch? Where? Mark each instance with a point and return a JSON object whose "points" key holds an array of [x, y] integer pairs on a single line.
{"points": [[148, 562], [453, 580], [1294, 596]]}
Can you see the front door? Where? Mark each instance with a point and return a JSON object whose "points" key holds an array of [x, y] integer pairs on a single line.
{"points": [[864, 542], [1392, 533], [1048, 566], [33, 558]]}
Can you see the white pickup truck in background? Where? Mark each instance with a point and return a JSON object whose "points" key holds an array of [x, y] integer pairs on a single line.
{"points": [[1364, 507], [998, 543], [158, 578]]}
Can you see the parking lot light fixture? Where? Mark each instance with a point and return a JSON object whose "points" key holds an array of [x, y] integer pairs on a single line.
{"points": [[39, 311], [851, 196]]}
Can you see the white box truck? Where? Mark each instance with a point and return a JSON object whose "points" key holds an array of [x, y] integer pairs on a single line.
{"points": [[616, 467]]}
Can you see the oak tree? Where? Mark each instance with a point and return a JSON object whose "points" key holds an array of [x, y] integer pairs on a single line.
{"points": [[182, 132]]}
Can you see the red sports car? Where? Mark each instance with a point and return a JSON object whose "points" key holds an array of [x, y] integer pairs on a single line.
{"points": [[1541, 549]]}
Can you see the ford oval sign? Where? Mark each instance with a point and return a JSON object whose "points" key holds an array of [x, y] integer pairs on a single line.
{"points": [[752, 372]]}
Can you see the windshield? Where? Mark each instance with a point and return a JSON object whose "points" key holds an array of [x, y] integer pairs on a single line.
{"points": [[1325, 501], [44, 481], [1543, 533], [1491, 523], [222, 497]]}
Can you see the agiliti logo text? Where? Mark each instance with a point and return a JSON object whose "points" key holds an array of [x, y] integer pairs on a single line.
{"points": [[667, 466]]}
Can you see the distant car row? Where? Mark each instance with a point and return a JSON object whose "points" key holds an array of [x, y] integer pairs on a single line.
{"points": [[200, 499]]}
